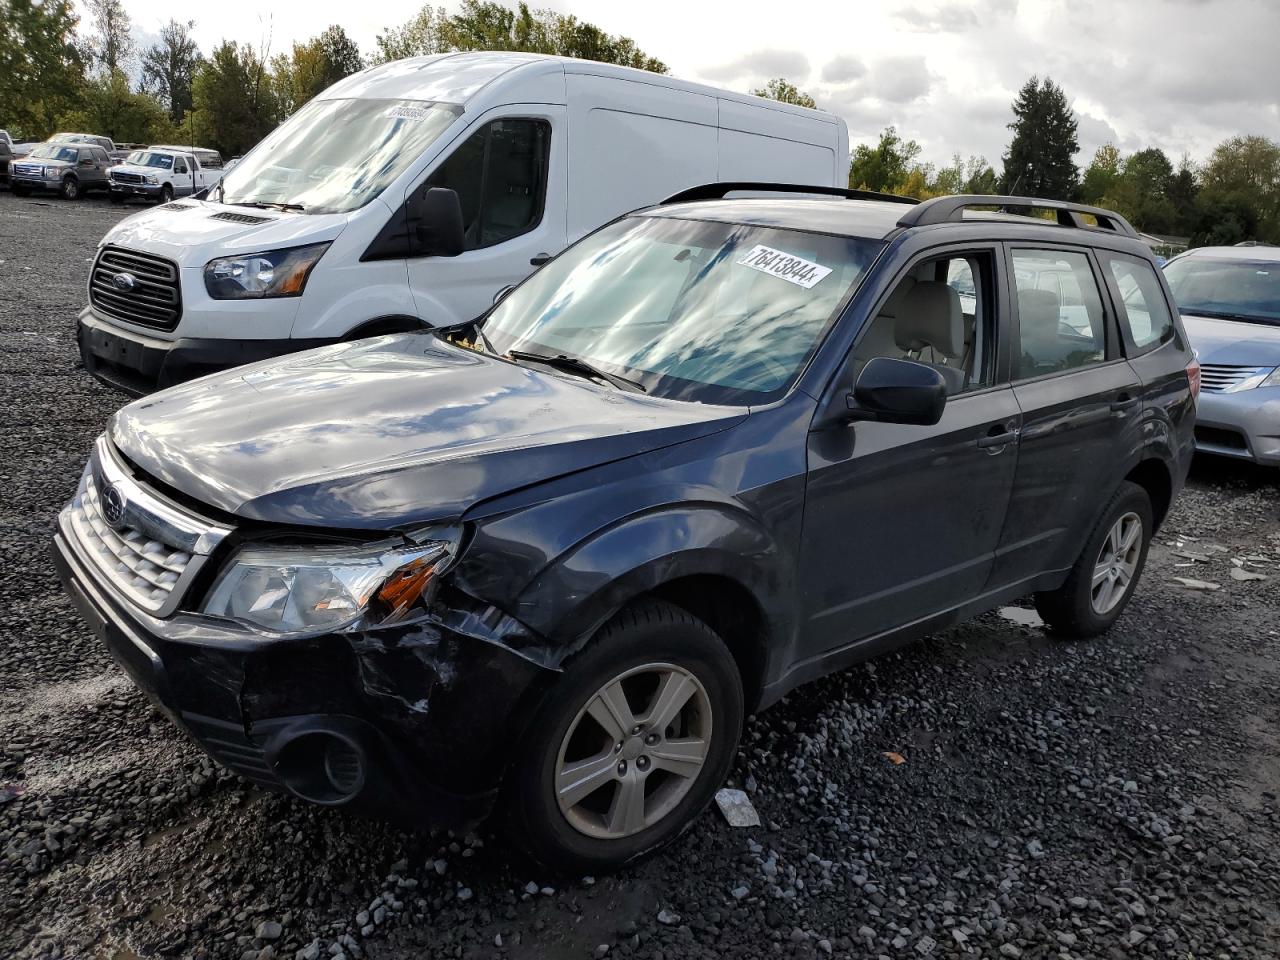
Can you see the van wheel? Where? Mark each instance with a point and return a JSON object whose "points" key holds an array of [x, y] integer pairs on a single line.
{"points": [[166, 194], [630, 745], [1107, 571], [70, 188]]}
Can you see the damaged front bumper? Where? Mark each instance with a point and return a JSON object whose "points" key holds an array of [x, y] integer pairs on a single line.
{"points": [[414, 722]]}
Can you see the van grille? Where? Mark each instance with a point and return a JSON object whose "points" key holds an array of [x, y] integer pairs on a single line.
{"points": [[1221, 377], [153, 300]]}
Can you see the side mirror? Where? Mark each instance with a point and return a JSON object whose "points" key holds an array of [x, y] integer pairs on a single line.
{"points": [[889, 390], [435, 223], [501, 294]]}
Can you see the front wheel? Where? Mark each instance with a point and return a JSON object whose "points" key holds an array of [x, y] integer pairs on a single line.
{"points": [[1106, 573], [166, 193], [630, 745], [70, 189], [116, 198], [20, 190]]}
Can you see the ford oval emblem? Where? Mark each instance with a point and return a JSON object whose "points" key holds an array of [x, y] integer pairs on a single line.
{"points": [[124, 281], [113, 503]]}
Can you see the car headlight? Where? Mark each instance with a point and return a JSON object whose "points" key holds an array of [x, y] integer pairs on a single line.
{"points": [[308, 589], [275, 273], [152, 178], [1273, 379], [51, 173]]}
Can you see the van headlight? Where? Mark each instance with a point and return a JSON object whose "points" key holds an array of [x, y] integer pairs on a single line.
{"points": [[274, 273], [1273, 379], [294, 589]]}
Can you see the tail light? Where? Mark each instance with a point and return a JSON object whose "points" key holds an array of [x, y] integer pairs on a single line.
{"points": [[1193, 376]]}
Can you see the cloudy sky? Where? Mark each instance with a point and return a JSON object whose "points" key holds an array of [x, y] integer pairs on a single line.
{"points": [[1177, 74]]}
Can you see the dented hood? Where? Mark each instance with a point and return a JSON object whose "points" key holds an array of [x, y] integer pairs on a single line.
{"points": [[389, 432]]}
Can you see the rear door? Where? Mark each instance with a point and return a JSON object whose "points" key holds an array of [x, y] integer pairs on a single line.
{"points": [[1080, 402]]}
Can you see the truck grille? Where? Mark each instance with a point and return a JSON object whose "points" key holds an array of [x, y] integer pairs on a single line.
{"points": [[145, 547], [121, 177], [1222, 377], [150, 298], [28, 170]]}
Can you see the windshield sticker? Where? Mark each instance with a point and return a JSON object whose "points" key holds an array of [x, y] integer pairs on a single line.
{"points": [[407, 113], [784, 266]]}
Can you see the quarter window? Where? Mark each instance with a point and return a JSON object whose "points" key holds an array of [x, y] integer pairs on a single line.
{"points": [[500, 175], [1061, 323], [1143, 308]]}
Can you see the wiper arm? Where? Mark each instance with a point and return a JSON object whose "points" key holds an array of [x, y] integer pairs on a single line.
{"points": [[563, 361], [268, 205]]}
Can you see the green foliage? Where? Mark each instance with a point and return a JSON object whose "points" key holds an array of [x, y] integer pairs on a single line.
{"points": [[169, 67], [884, 166], [111, 40], [784, 91], [41, 66], [235, 101], [1243, 173], [1039, 160], [312, 67], [1100, 176], [107, 106], [487, 25]]}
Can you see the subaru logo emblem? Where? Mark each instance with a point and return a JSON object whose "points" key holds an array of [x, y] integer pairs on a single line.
{"points": [[124, 281], [112, 502]]}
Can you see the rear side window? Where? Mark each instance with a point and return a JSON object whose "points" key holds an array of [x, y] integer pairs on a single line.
{"points": [[500, 175], [1143, 309], [1061, 323]]}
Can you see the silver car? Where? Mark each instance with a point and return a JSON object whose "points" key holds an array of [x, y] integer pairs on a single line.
{"points": [[1229, 298]]}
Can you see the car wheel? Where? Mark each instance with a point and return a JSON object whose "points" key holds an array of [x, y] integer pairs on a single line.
{"points": [[20, 190], [70, 188], [630, 744], [1107, 571], [115, 198], [166, 193]]}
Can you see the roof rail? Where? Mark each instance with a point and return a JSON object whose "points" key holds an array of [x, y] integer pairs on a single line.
{"points": [[717, 191], [950, 209]]}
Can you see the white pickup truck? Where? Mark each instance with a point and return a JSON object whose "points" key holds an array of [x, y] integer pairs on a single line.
{"points": [[160, 174]]}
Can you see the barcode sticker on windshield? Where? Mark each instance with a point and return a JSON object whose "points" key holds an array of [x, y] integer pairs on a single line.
{"points": [[407, 113], [784, 266]]}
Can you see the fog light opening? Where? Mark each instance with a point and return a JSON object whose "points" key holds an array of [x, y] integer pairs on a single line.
{"points": [[322, 767]]}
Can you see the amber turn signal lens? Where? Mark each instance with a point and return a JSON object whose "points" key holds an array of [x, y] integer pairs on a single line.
{"points": [[403, 588]]}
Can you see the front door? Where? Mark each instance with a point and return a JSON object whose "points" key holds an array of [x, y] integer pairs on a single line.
{"points": [[509, 176], [901, 522]]}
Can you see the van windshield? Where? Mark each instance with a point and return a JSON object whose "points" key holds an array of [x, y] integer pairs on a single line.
{"points": [[333, 156], [1241, 289], [688, 309]]}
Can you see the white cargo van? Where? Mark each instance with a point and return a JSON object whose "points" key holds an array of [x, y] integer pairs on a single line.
{"points": [[322, 232]]}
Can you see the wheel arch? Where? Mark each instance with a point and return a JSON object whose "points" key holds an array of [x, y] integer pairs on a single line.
{"points": [[380, 326], [1152, 474]]}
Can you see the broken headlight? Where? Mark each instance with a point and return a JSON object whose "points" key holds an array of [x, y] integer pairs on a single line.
{"points": [[309, 589]]}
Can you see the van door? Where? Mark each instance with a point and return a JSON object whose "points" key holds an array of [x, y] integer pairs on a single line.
{"points": [[509, 174]]}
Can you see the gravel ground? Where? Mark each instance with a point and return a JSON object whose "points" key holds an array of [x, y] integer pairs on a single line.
{"points": [[1107, 799]]}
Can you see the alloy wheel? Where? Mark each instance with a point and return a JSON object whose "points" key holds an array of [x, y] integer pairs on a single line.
{"points": [[633, 751], [1117, 563]]}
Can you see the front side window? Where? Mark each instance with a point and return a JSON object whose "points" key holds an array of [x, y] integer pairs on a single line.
{"points": [[1061, 323], [1243, 289], [690, 310], [1143, 309], [500, 176], [334, 156]]}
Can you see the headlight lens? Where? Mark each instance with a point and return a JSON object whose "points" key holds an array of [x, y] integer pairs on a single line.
{"points": [[307, 589], [52, 173], [1273, 379], [275, 273], [152, 178]]}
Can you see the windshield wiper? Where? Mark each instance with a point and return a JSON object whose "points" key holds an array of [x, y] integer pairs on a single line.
{"points": [[563, 361], [268, 205]]}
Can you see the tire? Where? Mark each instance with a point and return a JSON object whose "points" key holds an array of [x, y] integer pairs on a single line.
{"points": [[1080, 609], [20, 190], [648, 647], [115, 198], [166, 194], [70, 189]]}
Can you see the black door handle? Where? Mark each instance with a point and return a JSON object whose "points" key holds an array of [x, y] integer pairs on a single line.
{"points": [[998, 436], [1124, 403], [539, 260]]}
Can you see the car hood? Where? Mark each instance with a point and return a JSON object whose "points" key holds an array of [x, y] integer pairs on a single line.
{"points": [[389, 432], [194, 232], [1233, 342]]}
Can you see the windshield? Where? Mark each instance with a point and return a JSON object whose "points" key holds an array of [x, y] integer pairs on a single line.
{"points": [[690, 310], [51, 151], [333, 156], [141, 158], [1237, 289]]}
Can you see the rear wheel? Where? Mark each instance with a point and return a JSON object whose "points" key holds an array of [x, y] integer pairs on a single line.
{"points": [[630, 745], [1105, 574], [70, 189]]}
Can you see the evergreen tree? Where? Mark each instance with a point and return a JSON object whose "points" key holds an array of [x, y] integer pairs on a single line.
{"points": [[1039, 162], [169, 66]]}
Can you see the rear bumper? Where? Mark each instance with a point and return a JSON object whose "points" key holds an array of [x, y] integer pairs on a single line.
{"points": [[429, 713], [1244, 425], [138, 364]]}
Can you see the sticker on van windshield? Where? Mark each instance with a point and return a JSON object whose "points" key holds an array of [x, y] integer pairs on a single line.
{"points": [[784, 266], [407, 113]]}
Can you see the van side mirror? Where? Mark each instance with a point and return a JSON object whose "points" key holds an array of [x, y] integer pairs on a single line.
{"points": [[889, 390], [435, 223]]}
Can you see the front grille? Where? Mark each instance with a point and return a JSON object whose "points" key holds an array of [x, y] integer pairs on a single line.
{"points": [[27, 170], [240, 217], [1222, 377], [154, 300], [121, 177], [145, 547], [1220, 437]]}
